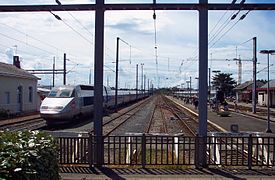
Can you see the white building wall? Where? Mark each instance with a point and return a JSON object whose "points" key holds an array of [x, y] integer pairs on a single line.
{"points": [[10, 84], [261, 98]]}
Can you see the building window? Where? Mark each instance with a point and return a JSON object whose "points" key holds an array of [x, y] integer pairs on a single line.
{"points": [[7, 94], [30, 94]]}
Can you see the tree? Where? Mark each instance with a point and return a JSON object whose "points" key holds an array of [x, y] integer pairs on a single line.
{"points": [[224, 82]]}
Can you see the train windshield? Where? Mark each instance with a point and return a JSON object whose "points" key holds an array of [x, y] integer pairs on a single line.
{"points": [[62, 93]]}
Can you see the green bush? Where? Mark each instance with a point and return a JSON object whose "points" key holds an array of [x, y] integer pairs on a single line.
{"points": [[4, 113], [28, 155]]}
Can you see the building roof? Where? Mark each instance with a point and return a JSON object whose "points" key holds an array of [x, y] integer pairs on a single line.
{"points": [[271, 85], [12, 71], [243, 85], [248, 85]]}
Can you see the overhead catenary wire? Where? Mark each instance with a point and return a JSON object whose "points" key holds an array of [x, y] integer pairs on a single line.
{"points": [[68, 25], [223, 27], [31, 37], [36, 39], [24, 43], [241, 18], [220, 28], [60, 4]]}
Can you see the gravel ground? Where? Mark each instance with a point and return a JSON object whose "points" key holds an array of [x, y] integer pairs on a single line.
{"points": [[138, 122]]}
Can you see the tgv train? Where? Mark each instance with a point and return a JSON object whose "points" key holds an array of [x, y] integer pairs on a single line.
{"points": [[66, 103]]}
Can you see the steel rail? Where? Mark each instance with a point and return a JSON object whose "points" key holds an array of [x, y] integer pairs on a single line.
{"points": [[189, 129], [239, 151], [151, 120], [30, 124], [14, 122], [135, 109]]}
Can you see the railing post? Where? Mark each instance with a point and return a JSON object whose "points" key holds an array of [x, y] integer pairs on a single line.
{"points": [[90, 150], [250, 144], [197, 151], [143, 150]]}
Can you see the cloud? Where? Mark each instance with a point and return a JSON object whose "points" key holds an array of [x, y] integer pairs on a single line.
{"points": [[9, 53]]}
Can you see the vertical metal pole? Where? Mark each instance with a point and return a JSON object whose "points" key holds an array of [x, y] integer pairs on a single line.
{"points": [[64, 70], [203, 66], [143, 150], [144, 87], [148, 86], [254, 103], [209, 84], [53, 69], [268, 97], [250, 149], [98, 81], [90, 77], [190, 88], [137, 82], [142, 77], [117, 51]]}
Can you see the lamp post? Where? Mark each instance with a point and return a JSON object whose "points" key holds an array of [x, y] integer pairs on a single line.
{"points": [[141, 88], [216, 72], [197, 86], [117, 57], [268, 130], [189, 88]]}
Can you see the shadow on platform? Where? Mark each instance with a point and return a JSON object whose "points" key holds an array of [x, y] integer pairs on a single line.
{"points": [[121, 173]]}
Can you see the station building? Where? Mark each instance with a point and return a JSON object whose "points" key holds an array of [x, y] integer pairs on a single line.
{"points": [[262, 94], [18, 89], [244, 91]]}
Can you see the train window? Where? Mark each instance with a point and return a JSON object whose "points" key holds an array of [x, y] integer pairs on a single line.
{"points": [[73, 93], [83, 87], [65, 93], [61, 93], [52, 94]]}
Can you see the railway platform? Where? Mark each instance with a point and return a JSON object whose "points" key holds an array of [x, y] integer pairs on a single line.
{"points": [[245, 120]]}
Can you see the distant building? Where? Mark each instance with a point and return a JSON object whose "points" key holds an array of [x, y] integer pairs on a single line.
{"points": [[18, 88], [262, 94], [244, 91]]}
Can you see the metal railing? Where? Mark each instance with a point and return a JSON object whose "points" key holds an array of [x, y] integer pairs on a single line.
{"points": [[223, 149]]}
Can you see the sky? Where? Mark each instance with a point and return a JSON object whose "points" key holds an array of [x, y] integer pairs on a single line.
{"points": [[39, 38]]}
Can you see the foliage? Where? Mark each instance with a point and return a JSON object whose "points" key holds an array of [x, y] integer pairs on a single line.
{"points": [[28, 155], [263, 81], [4, 113], [224, 82]]}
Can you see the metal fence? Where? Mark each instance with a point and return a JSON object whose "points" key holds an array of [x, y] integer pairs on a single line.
{"points": [[223, 149]]}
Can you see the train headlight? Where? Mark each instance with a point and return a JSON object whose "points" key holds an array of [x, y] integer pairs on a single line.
{"points": [[58, 108], [44, 107]]}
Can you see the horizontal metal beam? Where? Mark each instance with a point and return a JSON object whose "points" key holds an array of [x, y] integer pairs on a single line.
{"points": [[46, 73], [39, 70], [180, 6]]}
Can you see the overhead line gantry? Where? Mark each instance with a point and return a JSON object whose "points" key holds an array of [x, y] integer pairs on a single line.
{"points": [[100, 7]]}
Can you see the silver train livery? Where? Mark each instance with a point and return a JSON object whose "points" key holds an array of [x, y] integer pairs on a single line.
{"points": [[67, 103]]}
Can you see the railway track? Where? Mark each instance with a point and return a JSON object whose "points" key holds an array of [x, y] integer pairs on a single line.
{"points": [[31, 123], [161, 148], [188, 121], [157, 122], [229, 149], [111, 125]]}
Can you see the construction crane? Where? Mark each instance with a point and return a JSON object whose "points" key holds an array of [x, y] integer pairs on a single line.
{"points": [[239, 63]]}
